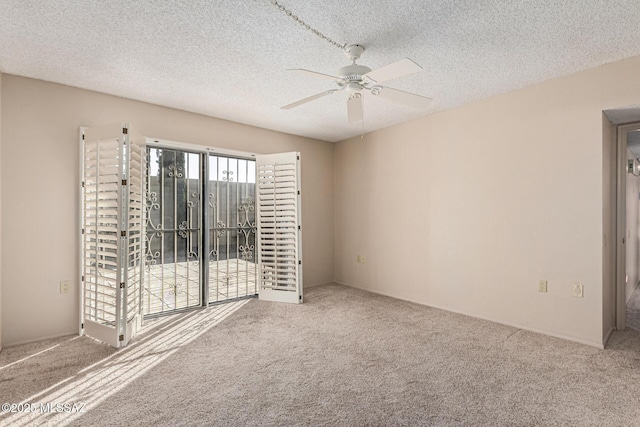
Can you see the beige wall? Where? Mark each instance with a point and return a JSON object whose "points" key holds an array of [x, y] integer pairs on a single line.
{"points": [[40, 192], [632, 237], [609, 188], [468, 208]]}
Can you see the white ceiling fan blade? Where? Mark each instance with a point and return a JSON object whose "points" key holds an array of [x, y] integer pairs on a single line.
{"points": [[354, 107], [314, 74], [309, 99], [410, 99], [398, 69]]}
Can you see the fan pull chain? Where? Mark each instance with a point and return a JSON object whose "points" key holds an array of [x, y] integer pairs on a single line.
{"points": [[305, 25]]}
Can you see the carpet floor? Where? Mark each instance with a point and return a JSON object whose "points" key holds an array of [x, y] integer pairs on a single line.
{"points": [[345, 357]]}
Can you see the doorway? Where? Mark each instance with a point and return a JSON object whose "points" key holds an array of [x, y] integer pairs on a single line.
{"points": [[631, 292], [628, 226]]}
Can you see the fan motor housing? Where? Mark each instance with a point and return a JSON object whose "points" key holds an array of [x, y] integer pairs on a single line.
{"points": [[352, 75]]}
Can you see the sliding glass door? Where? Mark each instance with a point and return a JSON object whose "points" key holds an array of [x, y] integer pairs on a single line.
{"points": [[186, 213]]}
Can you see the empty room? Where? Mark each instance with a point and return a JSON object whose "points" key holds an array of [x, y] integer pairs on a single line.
{"points": [[276, 212]]}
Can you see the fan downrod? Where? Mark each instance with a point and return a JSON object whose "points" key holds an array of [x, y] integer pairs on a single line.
{"points": [[354, 51]]}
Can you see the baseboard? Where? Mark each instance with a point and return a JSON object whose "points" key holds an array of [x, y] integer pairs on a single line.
{"points": [[514, 325], [316, 284], [50, 337]]}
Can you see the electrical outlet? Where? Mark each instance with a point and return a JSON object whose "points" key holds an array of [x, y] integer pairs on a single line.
{"points": [[578, 290], [65, 286], [542, 286]]}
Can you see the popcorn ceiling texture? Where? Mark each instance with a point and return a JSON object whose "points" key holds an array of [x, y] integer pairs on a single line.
{"points": [[228, 58]]}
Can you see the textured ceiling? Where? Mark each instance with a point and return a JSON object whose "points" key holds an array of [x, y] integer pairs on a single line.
{"points": [[228, 58]]}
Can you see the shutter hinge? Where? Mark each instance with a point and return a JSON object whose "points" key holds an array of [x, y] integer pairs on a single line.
{"points": [[298, 192], [83, 136], [125, 131], [299, 228], [82, 324], [298, 157], [299, 262], [121, 285], [124, 182], [82, 184], [83, 231], [121, 338], [83, 278], [123, 234]]}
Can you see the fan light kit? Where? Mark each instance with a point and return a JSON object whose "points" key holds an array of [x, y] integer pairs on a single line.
{"points": [[355, 79]]}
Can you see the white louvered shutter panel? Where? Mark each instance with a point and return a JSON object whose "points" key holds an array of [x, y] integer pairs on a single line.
{"points": [[279, 227], [112, 245]]}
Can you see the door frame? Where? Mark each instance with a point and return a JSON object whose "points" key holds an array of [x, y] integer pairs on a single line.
{"points": [[621, 222]]}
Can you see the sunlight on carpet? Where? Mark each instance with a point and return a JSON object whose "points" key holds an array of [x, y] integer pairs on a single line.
{"points": [[24, 359], [103, 379]]}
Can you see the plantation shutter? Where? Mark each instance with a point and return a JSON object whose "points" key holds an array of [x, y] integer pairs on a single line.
{"points": [[279, 227], [113, 169]]}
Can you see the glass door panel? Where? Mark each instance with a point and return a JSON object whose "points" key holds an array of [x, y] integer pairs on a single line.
{"points": [[172, 276], [232, 228]]}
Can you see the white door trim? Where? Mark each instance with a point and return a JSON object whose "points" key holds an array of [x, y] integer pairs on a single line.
{"points": [[621, 222]]}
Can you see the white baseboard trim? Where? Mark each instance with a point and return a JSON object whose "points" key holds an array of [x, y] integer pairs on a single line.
{"points": [[514, 325], [50, 337], [316, 284]]}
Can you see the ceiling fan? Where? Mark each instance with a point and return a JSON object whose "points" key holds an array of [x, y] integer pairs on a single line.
{"points": [[355, 79]]}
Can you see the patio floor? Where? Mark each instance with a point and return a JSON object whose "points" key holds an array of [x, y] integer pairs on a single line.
{"points": [[177, 285]]}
